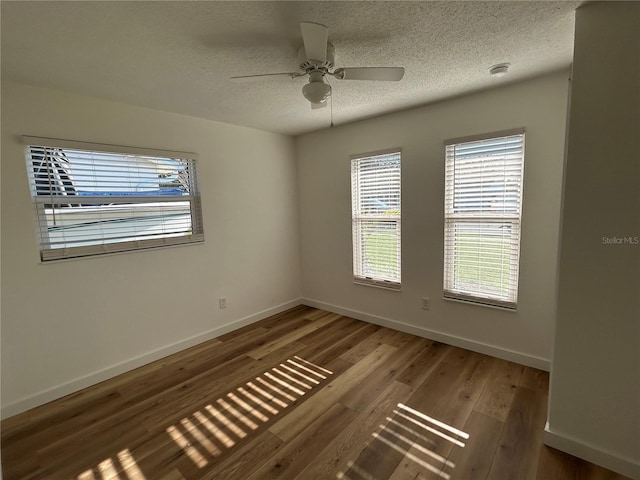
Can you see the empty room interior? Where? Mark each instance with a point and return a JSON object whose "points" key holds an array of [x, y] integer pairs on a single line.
{"points": [[320, 240]]}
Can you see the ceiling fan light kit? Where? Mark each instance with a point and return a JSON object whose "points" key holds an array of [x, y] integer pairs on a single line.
{"points": [[316, 56], [316, 91]]}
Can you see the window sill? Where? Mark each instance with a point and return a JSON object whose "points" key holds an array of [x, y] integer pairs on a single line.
{"points": [[481, 303], [377, 284]]}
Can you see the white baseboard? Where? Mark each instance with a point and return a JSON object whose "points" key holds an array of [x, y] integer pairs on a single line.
{"points": [[85, 381], [609, 460], [468, 344]]}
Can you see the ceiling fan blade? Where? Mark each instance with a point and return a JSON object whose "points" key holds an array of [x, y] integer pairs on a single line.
{"points": [[315, 38], [370, 73], [259, 76], [315, 106]]}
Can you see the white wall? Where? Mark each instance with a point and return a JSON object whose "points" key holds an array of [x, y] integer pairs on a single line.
{"points": [[540, 106], [69, 324], [594, 408]]}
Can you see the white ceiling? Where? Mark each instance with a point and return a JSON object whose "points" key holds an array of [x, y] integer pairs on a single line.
{"points": [[178, 56]]}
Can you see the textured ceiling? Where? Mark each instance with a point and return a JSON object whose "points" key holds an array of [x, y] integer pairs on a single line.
{"points": [[178, 56]]}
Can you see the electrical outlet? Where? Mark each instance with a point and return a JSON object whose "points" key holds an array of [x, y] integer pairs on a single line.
{"points": [[426, 303], [222, 302]]}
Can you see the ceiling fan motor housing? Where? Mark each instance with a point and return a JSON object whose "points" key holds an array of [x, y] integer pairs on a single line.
{"points": [[309, 65]]}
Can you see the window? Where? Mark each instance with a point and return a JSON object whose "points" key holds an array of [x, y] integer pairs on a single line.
{"points": [[483, 200], [95, 199], [375, 205]]}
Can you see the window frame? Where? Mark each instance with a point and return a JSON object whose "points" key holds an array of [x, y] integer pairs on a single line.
{"points": [[43, 203], [451, 289], [357, 218]]}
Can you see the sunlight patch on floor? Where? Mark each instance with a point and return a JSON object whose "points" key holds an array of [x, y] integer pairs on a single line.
{"points": [[415, 444], [415, 436], [411, 456], [360, 472], [206, 433], [121, 466], [438, 423], [429, 429], [189, 449]]}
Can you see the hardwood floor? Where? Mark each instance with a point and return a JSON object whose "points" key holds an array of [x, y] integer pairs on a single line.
{"points": [[304, 395]]}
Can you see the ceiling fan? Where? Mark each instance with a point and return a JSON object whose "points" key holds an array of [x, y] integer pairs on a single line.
{"points": [[316, 56]]}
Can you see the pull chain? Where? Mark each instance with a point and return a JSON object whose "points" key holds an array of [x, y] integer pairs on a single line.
{"points": [[330, 104], [331, 111]]}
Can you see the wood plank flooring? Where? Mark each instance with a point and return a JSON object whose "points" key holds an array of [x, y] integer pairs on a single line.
{"points": [[305, 394]]}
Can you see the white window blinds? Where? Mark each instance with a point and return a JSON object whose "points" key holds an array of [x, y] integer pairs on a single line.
{"points": [[375, 201], [483, 203], [96, 199]]}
